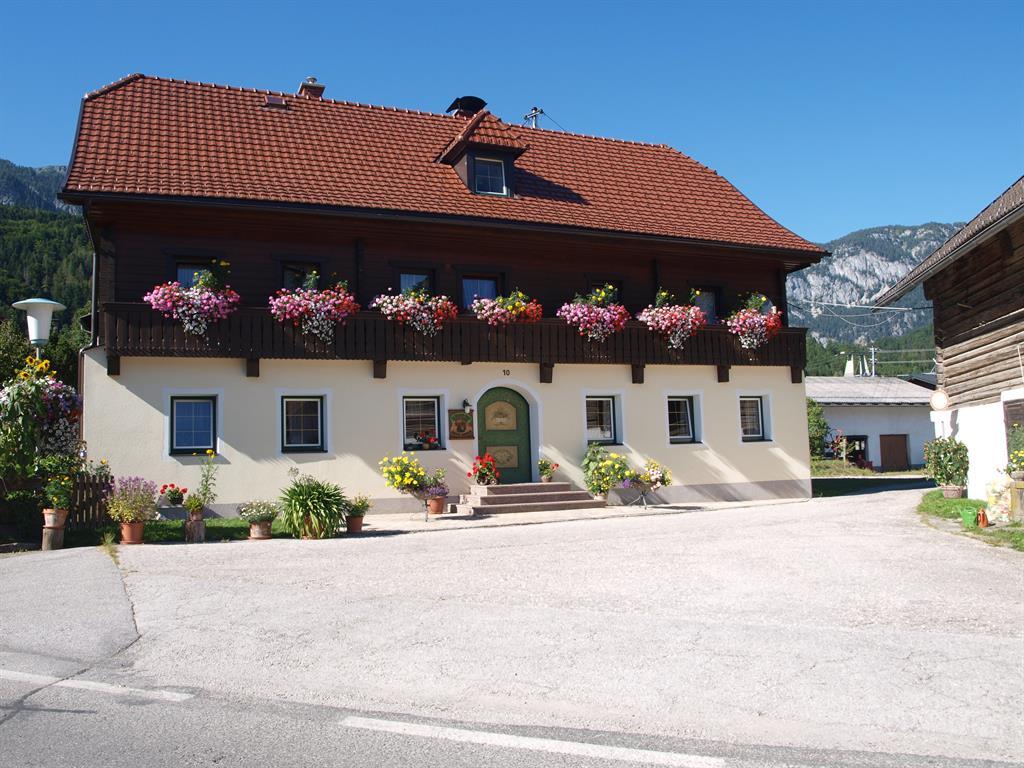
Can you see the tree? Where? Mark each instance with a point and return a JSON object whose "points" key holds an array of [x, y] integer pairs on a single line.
{"points": [[817, 428], [14, 348]]}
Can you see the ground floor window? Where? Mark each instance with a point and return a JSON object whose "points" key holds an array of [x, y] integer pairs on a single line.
{"points": [[601, 420], [421, 419], [680, 420], [752, 418], [193, 424], [302, 424]]}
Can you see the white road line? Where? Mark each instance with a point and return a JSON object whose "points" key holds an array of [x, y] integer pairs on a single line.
{"points": [[90, 685], [509, 741]]}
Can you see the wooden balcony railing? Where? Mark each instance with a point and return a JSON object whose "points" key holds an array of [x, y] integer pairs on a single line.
{"points": [[251, 333]]}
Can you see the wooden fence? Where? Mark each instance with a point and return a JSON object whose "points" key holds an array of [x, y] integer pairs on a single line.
{"points": [[88, 504]]}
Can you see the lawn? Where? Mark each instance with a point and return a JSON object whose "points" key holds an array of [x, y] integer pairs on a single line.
{"points": [[837, 468], [163, 531], [935, 505]]}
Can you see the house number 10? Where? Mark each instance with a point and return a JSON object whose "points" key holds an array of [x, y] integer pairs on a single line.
{"points": [[506, 372]]}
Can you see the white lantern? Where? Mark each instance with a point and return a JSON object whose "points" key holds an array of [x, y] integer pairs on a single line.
{"points": [[40, 317], [939, 400]]}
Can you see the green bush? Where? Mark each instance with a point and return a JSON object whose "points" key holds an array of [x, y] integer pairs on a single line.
{"points": [[817, 428], [313, 508], [947, 461], [602, 470]]}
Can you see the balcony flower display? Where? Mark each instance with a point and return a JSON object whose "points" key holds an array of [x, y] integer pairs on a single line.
{"points": [[314, 312], [675, 322], [752, 325], [517, 307], [597, 315], [415, 307], [195, 307]]}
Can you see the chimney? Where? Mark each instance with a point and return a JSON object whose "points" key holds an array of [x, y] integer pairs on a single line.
{"points": [[311, 88], [466, 106]]}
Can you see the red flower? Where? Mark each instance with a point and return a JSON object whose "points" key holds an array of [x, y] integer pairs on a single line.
{"points": [[184, 490]]}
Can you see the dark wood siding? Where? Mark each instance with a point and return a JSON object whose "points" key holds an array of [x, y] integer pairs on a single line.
{"points": [[979, 319]]}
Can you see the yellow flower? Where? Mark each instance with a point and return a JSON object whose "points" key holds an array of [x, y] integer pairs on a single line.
{"points": [[30, 360], [209, 452]]}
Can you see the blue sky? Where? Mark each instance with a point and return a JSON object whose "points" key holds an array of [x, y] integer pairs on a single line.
{"points": [[831, 116]]}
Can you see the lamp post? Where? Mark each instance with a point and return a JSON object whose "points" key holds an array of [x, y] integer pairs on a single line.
{"points": [[40, 318]]}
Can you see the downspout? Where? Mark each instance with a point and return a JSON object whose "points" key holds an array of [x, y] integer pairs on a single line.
{"points": [[94, 333]]}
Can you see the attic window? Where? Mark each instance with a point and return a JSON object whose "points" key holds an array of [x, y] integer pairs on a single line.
{"points": [[277, 102], [489, 176]]}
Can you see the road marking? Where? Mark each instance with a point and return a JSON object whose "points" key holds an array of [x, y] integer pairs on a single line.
{"points": [[509, 741], [90, 685]]}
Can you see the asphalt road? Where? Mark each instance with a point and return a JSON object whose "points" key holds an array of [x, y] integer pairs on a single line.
{"points": [[839, 632]]}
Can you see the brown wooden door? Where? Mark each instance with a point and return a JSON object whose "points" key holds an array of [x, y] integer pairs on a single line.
{"points": [[895, 454]]}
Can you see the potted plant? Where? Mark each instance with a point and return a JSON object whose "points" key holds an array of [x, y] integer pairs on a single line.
{"points": [[1015, 450], [260, 517], [435, 492], [131, 503], [417, 308], [210, 299], [205, 493], [357, 509], [173, 497], [947, 462], [405, 474], [650, 477], [314, 312], [674, 322], [313, 508], [597, 315], [752, 325], [517, 307], [546, 469], [602, 470], [59, 483], [484, 471]]}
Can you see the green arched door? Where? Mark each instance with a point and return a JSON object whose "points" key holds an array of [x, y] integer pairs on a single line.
{"points": [[503, 419]]}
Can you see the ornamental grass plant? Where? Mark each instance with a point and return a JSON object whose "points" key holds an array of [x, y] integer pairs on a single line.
{"points": [[313, 508]]}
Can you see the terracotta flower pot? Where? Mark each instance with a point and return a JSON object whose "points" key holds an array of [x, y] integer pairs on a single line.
{"points": [[952, 492], [435, 506], [354, 524], [546, 478], [131, 533], [260, 530], [54, 518]]}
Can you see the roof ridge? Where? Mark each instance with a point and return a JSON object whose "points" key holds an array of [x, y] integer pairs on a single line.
{"points": [[116, 84]]}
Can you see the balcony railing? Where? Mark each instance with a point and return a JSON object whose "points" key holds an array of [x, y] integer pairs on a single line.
{"points": [[251, 333]]}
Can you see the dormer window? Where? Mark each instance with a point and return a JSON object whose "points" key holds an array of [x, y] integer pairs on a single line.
{"points": [[489, 176]]}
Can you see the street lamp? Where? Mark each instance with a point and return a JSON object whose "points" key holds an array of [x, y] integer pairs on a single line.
{"points": [[40, 317]]}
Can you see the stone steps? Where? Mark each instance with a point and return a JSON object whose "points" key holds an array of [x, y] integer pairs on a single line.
{"points": [[525, 497]]}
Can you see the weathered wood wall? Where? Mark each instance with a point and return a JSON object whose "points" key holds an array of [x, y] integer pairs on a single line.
{"points": [[979, 319]]}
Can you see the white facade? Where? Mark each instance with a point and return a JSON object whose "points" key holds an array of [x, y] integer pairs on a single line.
{"points": [[914, 421], [126, 420]]}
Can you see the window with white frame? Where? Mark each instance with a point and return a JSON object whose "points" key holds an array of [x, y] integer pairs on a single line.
{"points": [[489, 176], [752, 427], [302, 424], [193, 424], [421, 420], [601, 420], [681, 428]]}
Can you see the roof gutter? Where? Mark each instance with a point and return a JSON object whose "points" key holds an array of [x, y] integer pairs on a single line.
{"points": [[914, 277], [803, 257]]}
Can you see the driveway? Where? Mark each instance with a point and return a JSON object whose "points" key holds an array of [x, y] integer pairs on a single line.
{"points": [[843, 630]]}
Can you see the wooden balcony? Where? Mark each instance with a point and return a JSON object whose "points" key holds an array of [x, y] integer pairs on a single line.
{"points": [[135, 330]]}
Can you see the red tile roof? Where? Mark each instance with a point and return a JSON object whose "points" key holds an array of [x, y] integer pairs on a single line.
{"points": [[160, 137], [485, 130]]}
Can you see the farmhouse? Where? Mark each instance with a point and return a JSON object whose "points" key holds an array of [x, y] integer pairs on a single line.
{"points": [[175, 175], [974, 283]]}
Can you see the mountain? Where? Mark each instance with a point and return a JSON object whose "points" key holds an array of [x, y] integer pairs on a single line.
{"points": [[862, 264], [33, 187]]}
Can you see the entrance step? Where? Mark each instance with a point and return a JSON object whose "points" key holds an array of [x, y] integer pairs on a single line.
{"points": [[525, 497]]}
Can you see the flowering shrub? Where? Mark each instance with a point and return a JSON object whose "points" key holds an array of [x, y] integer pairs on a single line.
{"points": [[315, 312], [132, 500], [602, 470], [38, 417], [59, 472], [403, 473], [546, 468], [517, 307], [173, 494], [650, 477], [485, 470], [208, 301], [947, 461], [753, 327], [596, 316], [258, 511], [415, 307], [675, 322]]}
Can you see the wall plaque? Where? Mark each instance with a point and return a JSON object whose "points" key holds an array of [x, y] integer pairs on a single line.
{"points": [[460, 425], [505, 456]]}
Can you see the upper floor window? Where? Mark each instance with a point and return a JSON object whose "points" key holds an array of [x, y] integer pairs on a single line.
{"points": [[707, 300], [187, 273], [478, 288], [193, 424], [414, 281], [294, 274], [489, 176]]}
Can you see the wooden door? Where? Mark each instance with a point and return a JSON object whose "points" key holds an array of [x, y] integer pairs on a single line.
{"points": [[895, 453], [503, 416]]}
